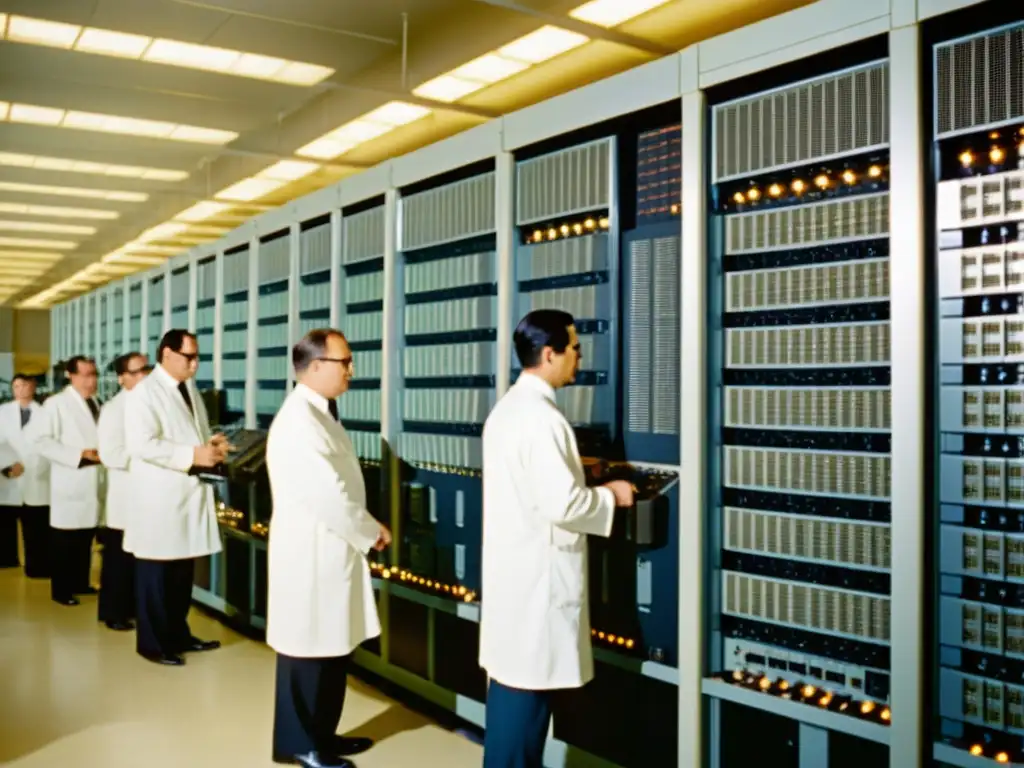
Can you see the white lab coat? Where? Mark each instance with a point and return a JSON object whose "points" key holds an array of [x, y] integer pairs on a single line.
{"points": [[321, 601], [173, 514], [114, 455], [33, 487], [63, 428], [535, 619]]}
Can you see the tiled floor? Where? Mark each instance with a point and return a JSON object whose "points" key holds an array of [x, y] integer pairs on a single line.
{"points": [[73, 693]]}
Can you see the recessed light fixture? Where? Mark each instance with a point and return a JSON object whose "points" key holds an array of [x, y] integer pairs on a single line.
{"points": [[370, 126], [66, 165], [57, 211], [40, 226], [92, 193]]}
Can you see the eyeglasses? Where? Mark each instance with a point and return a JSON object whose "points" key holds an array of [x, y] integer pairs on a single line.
{"points": [[137, 371], [190, 356], [346, 361]]}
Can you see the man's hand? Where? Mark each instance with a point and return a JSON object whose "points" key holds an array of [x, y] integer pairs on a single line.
{"points": [[15, 470], [623, 491], [207, 456], [91, 455], [220, 441], [383, 538]]}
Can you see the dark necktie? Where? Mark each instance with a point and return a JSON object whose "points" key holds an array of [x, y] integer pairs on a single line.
{"points": [[93, 408], [26, 414], [332, 406], [184, 393]]}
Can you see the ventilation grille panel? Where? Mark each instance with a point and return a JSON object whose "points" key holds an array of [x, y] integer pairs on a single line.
{"points": [[571, 256], [638, 377], [135, 299], [979, 82], [315, 250], [815, 285], [450, 213], [834, 115], [454, 272], [835, 409], [179, 289], [236, 272], [808, 346], [364, 235], [665, 339], [206, 280], [835, 221], [574, 180], [156, 294], [274, 260], [779, 470]]}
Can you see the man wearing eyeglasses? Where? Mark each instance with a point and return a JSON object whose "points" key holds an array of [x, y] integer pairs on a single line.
{"points": [[321, 605], [117, 578], [173, 520]]}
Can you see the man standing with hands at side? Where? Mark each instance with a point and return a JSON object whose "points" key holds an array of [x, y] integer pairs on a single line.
{"points": [[538, 511], [24, 482], [174, 520], [321, 604], [65, 433]]}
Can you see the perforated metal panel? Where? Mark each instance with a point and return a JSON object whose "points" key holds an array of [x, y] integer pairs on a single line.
{"points": [[863, 475], [574, 180], [834, 221], [979, 82], [315, 250], [206, 280], [179, 288], [817, 285], [364, 235], [838, 409], [274, 260], [829, 116], [236, 272], [450, 213]]}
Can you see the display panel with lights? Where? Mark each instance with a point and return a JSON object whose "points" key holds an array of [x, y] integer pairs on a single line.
{"points": [[155, 325], [206, 311], [799, 241], [273, 347], [978, 276], [449, 331], [235, 325]]}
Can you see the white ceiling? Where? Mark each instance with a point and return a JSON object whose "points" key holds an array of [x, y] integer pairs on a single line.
{"points": [[49, 253]]}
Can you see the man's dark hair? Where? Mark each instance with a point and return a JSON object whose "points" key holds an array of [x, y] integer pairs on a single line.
{"points": [[23, 377], [311, 346], [174, 340], [541, 328], [120, 364], [73, 363]]}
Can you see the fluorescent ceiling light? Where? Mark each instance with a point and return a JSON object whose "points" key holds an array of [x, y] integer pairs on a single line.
{"points": [[32, 256], [129, 260], [46, 163], [176, 53], [17, 282], [126, 126], [610, 13], [370, 126], [21, 271], [59, 212], [489, 68], [288, 170], [41, 226], [543, 44], [26, 242], [138, 247], [250, 189], [447, 88], [202, 211], [95, 194]]}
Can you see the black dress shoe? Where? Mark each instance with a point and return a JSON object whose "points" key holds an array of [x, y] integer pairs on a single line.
{"points": [[202, 645], [351, 745], [120, 626], [66, 601], [319, 760], [167, 659]]}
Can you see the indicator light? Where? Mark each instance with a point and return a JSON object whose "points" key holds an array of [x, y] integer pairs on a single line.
{"points": [[875, 171], [966, 158], [754, 194], [849, 176], [798, 186], [775, 190], [996, 155], [821, 181]]}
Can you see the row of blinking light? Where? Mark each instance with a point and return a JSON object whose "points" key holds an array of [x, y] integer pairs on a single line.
{"points": [[799, 186]]}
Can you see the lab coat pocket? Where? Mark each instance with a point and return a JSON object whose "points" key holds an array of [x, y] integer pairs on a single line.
{"points": [[567, 575]]}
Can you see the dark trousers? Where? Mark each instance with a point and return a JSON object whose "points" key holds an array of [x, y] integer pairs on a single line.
{"points": [[72, 560], [163, 596], [516, 727], [307, 706], [9, 537], [35, 532], [117, 579]]}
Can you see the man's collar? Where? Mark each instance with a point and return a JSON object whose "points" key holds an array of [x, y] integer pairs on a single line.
{"points": [[315, 399], [535, 383]]}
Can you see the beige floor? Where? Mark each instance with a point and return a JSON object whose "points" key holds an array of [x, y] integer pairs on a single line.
{"points": [[72, 693]]}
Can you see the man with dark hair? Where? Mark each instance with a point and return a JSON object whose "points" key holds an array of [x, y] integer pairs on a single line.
{"points": [[66, 435], [321, 605], [24, 483], [538, 511], [117, 579], [173, 520]]}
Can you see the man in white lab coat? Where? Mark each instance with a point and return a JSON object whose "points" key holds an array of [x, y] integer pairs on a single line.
{"points": [[24, 484], [321, 604], [173, 520], [538, 511], [65, 433], [117, 579]]}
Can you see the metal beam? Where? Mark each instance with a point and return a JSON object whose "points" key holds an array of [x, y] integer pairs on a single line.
{"points": [[592, 31]]}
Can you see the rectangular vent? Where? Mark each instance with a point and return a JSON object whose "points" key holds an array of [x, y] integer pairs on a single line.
{"points": [[452, 316], [835, 221], [840, 409], [365, 287], [476, 359], [807, 607], [834, 115], [981, 200], [236, 272], [274, 260], [825, 473], [570, 256], [179, 289], [135, 299], [455, 272], [447, 406], [448, 214], [446, 450], [817, 285], [826, 540], [808, 346], [156, 294], [979, 82], [574, 180], [315, 250], [360, 405], [206, 280], [364, 235], [638, 317]]}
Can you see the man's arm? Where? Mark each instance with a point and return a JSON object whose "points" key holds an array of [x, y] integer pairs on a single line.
{"points": [[113, 452], [562, 500], [145, 440], [45, 435]]}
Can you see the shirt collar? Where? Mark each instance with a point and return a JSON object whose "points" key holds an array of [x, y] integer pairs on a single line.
{"points": [[315, 399], [536, 384], [162, 375]]}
